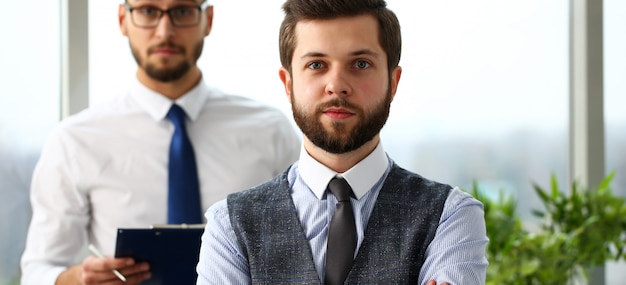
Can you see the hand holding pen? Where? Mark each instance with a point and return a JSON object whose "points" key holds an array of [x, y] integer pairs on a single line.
{"points": [[99, 269]]}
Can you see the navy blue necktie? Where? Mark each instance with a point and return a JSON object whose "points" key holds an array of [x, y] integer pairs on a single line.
{"points": [[341, 235], [183, 201]]}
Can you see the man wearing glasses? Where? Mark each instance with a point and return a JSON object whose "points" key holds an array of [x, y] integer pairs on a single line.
{"points": [[111, 166]]}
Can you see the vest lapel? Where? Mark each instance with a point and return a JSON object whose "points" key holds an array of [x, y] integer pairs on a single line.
{"points": [[401, 226], [278, 251]]}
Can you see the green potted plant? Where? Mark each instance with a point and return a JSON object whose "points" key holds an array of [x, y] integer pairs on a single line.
{"points": [[579, 229]]}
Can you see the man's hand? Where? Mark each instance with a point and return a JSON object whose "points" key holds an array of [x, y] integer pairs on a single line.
{"points": [[95, 270], [433, 282]]}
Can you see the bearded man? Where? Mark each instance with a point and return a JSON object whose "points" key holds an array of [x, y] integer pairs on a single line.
{"points": [[160, 153], [344, 213]]}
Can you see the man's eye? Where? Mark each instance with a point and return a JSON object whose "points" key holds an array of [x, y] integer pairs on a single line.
{"points": [[148, 11], [361, 64], [316, 65], [183, 11]]}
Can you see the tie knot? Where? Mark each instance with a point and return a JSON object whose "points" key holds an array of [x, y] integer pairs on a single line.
{"points": [[340, 188], [176, 114]]}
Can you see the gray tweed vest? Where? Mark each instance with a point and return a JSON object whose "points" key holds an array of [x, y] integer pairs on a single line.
{"points": [[402, 225]]}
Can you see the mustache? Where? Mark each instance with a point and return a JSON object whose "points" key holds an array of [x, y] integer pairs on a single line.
{"points": [[167, 44], [337, 102]]}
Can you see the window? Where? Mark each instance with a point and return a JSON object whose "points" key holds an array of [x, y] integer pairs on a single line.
{"points": [[614, 100], [29, 107], [483, 94]]}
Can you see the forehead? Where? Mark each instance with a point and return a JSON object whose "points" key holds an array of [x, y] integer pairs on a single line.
{"points": [[337, 35]]}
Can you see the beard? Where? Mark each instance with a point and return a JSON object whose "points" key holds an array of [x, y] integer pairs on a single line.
{"points": [[340, 139], [172, 73]]}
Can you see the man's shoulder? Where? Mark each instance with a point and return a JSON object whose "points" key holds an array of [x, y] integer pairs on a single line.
{"points": [[104, 119], [240, 105], [263, 192], [105, 111], [407, 177]]}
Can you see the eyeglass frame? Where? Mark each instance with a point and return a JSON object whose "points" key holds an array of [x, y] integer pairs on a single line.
{"points": [[162, 12]]}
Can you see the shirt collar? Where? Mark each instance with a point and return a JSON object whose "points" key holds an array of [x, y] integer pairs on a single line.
{"points": [[157, 104], [361, 177]]}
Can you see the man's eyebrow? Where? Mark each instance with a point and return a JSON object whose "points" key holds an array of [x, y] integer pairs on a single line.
{"points": [[365, 52], [354, 53], [313, 54]]}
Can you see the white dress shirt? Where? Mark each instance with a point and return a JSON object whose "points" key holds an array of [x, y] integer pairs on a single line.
{"points": [[106, 168], [456, 254]]}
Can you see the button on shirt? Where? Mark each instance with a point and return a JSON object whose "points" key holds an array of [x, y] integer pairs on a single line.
{"points": [[106, 168], [456, 254]]}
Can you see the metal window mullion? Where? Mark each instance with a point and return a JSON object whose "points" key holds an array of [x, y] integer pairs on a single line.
{"points": [[586, 100], [74, 56]]}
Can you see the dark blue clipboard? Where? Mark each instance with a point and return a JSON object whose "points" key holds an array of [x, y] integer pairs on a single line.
{"points": [[172, 252]]}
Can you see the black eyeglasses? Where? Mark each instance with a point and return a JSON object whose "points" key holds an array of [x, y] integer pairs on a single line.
{"points": [[180, 16]]}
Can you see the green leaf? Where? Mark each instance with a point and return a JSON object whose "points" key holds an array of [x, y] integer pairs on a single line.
{"points": [[606, 181], [579, 228]]}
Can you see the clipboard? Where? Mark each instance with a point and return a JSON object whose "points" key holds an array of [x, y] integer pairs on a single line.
{"points": [[171, 250]]}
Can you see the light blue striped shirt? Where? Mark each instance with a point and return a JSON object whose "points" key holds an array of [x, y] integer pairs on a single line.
{"points": [[456, 254]]}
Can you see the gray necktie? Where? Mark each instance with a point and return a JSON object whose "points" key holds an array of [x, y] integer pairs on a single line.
{"points": [[341, 235]]}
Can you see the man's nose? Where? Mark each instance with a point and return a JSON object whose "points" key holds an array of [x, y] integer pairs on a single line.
{"points": [[338, 83], [165, 28]]}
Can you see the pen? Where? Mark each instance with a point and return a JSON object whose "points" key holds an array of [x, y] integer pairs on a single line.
{"points": [[97, 253]]}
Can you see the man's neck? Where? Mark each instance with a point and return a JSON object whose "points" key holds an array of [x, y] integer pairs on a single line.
{"points": [[340, 162], [172, 89]]}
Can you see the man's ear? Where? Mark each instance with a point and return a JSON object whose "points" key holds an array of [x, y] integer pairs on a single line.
{"points": [[395, 79], [121, 17], [209, 20], [285, 77]]}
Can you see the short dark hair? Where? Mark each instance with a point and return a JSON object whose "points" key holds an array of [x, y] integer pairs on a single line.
{"points": [[297, 10]]}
